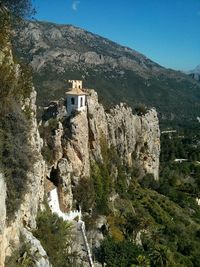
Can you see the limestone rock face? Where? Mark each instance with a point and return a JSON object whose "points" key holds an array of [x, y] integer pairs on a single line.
{"points": [[98, 127], [76, 149], [65, 184], [36, 249], [75, 141], [149, 157], [2, 218], [3, 203], [135, 138], [25, 216], [36, 176]]}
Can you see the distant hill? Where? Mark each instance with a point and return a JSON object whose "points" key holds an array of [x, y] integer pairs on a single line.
{"points": [[61, 52], [195, 74]]}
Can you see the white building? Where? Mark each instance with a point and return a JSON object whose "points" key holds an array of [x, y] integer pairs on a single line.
{"points": [[76, 97]]}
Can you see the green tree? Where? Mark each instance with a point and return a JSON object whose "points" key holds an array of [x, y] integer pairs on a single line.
{"points": [[122, 254], [84, 193], [18, 8], [159, 256], [56, 238]]}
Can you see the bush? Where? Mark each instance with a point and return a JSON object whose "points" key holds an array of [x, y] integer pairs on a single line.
{"points": [[148, 181], [101, 187], [141, 109], [21, 257], [124, 253], [16, 156], [56, 238], [47, 153], [84, 194]]}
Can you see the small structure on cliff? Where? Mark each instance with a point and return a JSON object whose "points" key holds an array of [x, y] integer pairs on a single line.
{"points": [[76, 97]]}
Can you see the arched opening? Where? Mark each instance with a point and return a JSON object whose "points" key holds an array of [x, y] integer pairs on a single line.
{"points": [[81, 102], [72, 101]]}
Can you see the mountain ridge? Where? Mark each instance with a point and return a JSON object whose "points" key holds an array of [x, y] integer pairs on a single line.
{"points": [[195, 73], [58, 53]]}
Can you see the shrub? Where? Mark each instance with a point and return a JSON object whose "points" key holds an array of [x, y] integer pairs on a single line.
{"points": [[20, 257], [56, 238], [101, 187], [141, 109], [148, 181], [124, 253], [16, 156], [47, 153], [84, 194]]}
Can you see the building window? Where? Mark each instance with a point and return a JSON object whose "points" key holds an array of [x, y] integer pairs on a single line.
{"points": [[81, 101], [72, 101]]}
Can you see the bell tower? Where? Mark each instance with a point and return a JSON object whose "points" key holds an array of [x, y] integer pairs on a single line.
{"points": [[76, 96]]}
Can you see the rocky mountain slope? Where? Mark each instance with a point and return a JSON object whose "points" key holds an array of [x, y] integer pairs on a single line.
{"points": [[22, 166], [80, 141], [195, 74], [72, 154], [103, 162], [60, 52]]}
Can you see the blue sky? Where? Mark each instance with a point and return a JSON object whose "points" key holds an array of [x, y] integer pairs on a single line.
{"points": [[166, 31]]}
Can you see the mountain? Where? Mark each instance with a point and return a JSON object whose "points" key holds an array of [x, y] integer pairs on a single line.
{"points": [[92, 181], [84, 159], [61, 52], [195, 74]]}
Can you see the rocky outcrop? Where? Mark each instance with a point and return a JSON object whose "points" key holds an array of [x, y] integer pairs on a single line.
{"points": [[3, 201], [65, 171], [195, 74], [25, 216], [135, 138], [36, 250], [75, 144]]}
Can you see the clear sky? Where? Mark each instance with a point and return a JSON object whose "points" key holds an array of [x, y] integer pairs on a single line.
{"points": [[166, 31]]}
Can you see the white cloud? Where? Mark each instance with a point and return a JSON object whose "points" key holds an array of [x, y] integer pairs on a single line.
{"points": [[75, 5]]}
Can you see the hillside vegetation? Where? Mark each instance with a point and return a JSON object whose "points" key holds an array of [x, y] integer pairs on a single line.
{"points": [[165, 213], [15, 153]]}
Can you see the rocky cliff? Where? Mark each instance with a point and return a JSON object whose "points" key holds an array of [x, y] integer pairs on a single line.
{"points": [[75, 143], [25, 216], [71, 145], [21, 183], [71, 150], [79, 140]]}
